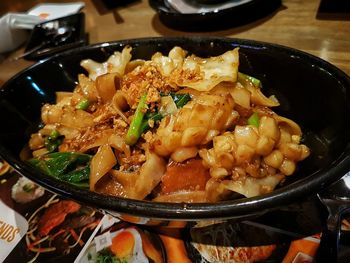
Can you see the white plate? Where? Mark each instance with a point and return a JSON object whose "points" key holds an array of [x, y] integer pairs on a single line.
{"points": [[186, 7]]}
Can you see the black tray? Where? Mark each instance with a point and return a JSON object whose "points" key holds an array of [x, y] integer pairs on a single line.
{"points": [[45, 41], [208, 21]]}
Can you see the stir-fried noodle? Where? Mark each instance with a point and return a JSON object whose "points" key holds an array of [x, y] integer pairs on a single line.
{"points": [[175, 128]]}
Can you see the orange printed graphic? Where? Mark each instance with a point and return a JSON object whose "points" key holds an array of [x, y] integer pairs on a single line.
{"points": [[150, 250], [306, 246], [8, 232], [123, 244], [175, 249]]}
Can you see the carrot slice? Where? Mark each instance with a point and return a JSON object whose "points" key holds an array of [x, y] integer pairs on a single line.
{"points": [[190, 175]]}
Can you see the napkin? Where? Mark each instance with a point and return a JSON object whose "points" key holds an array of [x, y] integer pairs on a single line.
{"points": [[22, 21], [12, 30]]}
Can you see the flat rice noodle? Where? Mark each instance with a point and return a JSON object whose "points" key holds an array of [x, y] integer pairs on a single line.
{"points": [[223, 88], [292, 126], [127, 180], [167, 64], [119, 101], [184, 153], [167, 106], [107, 85], [100, 139], [60, 95], [150, 175], [51, 114], [36, 141], [194, 93], [116, 63], [68, 132], [119, 104], [258, 98], [87, 88], [40, 152], [216, 191], [102, 162], [177, 54], [139, 184], [206, 73], [108, 185], [77, 119], [94, 68], [241, 96], [47, 129], [250, 187], [131, 65], [118, 143]]}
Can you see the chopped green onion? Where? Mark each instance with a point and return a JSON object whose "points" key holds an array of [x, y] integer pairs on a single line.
{"points": [[28, 187], [140, 122], [154, 116], [254, 120], [180, 99], [244, 78], [134, 132], [53, 141], [54, 135], [83, 104]]}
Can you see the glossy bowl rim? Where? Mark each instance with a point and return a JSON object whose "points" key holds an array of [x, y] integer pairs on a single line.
{"points": [[195, 211]]}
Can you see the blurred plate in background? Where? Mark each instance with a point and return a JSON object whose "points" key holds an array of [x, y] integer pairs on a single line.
{"points": [[203, 6], [53, 36], [215, 16]]}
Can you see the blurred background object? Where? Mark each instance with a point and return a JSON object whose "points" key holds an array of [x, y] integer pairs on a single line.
{"points": [[54, 36], [192, 15], [13, 31], [15, 26], [334, 9]]}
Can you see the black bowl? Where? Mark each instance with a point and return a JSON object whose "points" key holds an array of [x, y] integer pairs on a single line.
{"points": [[312, 92]]}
